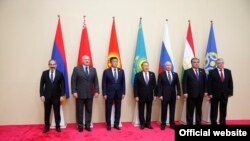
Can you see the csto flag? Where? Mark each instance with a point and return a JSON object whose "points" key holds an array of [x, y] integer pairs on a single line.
{"points": [[211, 53], [189, 52], [113, 47], [84, 46], [58, 54], [140, 53], [166, 50]]}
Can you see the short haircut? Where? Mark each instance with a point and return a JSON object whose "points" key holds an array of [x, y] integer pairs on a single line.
{"points": [[195, 59], [51, 60], [112, 58], [219, 60], [144, 63]]}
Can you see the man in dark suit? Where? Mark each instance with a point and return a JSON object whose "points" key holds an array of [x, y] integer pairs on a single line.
{"points": [[168, 88], [84, 85], [194, 87], [145, 93], [51, 93], [113, 89], [220, 87]]}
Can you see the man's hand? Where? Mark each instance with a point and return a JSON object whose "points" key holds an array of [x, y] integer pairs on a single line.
{"points": [[178, 97], [161, 97], [42, 98], [154, 97], [123, 96], [105, 97], [96, 95], [75, 95], [137, 98], [205, 94], [185, 96], [61, 99]]}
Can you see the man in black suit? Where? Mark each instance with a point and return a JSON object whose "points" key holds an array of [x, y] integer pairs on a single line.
{"points": [[145, 93], [51, 93], [168, 88], [84, 84], [194, 87], [113, 89], [220, 87]]}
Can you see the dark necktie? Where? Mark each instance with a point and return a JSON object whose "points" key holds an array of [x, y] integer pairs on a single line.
{"points": [[197, 74], [51, 76], [86, 70], [115, 74], [169, 78], [146, 77], [221, 75]]}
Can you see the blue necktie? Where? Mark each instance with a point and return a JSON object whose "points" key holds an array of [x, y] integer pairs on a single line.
{"points": [[115, 74]]}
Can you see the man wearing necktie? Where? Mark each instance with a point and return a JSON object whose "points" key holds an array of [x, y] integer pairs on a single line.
{"points": [[51, 93], [194, 86], [113, 90], [145, 92], [168, 92], [220, 87], [84, 86]]}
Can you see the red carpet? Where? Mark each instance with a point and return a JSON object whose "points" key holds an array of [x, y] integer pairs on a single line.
{"points": [[99, 133]]}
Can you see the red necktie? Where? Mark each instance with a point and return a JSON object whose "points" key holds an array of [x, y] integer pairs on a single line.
{"points": [[221, 75]]}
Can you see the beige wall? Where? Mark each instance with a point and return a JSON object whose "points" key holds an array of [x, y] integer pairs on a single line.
{"points": [[27, 30]]}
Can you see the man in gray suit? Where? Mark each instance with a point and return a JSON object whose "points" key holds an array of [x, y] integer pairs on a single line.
{"points": [[84, 85]]}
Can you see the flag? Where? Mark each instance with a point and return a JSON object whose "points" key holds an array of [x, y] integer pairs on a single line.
{"points": [[166, 50], [189, 52], [58, 54], [140, 53], [211, 53], [84, 46], [113, 47]]}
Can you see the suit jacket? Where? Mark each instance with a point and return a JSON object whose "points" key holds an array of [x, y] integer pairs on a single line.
{"points": [[53, 89], [141, 89], [193, 87], [85, 85], [166, 89], [216, 87], [110, 86]]}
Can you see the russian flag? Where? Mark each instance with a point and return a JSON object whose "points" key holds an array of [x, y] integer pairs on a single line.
{"points": [[58, 54], [166, 50]]}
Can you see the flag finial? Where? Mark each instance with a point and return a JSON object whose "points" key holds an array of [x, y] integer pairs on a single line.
{"points": [[211, 21], [58, 16], [167, 20], [84, 19], [113, 17], [189, 21]]}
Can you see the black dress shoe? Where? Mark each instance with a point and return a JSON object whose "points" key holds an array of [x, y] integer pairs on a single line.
{"points": [[80, 129], [163, 127], [142, 127], [58, 129], [108, 128], [117, 127], [46, 129], [88, 128], [172, 126], [149, 126]]}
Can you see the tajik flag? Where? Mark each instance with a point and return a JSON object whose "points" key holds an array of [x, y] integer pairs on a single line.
{"points": [[189, 52], [188, 55]]}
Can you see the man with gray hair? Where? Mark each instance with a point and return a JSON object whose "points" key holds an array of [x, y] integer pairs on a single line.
{"points": [[84, 85], [220, 87]]}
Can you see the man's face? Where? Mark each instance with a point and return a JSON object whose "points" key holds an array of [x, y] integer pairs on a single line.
{"points": [[195, 63], [168, 66], [220, 64], [85, 61], [52, 65], [145, 67], [114, 63]]}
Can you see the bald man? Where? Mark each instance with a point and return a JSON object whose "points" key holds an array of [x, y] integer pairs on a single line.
{"points": [[168, 92], [84, 85]]}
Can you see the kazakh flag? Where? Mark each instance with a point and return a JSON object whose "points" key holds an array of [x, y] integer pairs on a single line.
{"points": [[140, 53]]}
